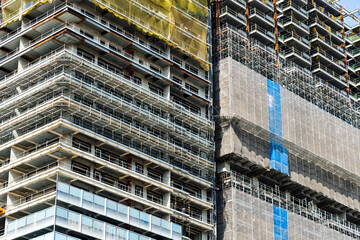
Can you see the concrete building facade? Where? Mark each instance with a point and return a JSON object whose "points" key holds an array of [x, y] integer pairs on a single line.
{"points": [[105, 129]]}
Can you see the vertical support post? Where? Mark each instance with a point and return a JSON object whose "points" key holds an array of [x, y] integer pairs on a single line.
{"points": [[345, 60], [247, 29], [276, 33]]}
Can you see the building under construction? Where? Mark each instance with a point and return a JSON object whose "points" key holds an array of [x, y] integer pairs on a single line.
{"points": [[287, 113], [105, 124]]}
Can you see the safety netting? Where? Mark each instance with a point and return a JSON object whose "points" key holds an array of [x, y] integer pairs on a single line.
{"points": [[183, 24]]}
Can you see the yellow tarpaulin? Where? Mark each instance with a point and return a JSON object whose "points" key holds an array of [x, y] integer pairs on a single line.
{"points": [[183, 24]]}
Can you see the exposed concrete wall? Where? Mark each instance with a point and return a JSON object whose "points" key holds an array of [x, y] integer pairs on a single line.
{"points": [[327, 140]]}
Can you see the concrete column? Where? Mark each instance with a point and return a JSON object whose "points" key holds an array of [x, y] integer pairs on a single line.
{"points": [[22, 64], [15, 153], [24, 21], [65, 163], [204, 215], [92, 149], [223, 167], [13, 177], [167, 177], [167, 92], [66, 139], [204, 194], [11, 199]]}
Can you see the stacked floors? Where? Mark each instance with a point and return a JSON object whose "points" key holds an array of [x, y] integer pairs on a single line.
{"points": [[105, 131], [287, 132]]}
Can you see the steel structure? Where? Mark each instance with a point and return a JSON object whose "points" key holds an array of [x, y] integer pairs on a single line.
{"points": [[105, 130], [287, 114]]}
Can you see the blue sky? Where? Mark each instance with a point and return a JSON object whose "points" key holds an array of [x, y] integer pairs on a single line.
{"points": [[350, 4]]}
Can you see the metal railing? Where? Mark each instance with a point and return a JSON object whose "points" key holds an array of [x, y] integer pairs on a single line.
{"points": [[289, 35], [327, 55], [256, 27], [326, 41], [294, 50], [328, 71], [292, 19], [313, 5], [326, 27], [264, 16], [301, 207], [291, 4], [63, 51]]}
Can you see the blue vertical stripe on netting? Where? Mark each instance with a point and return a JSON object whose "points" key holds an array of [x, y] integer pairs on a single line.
{"points": [[280, 223], [278, 153]]}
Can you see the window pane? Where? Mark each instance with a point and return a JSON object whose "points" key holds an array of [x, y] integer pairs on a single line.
{"points": [[63, 187], [88, 196], [75, 191]]}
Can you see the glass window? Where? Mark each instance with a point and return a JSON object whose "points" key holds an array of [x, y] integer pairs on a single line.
{"points": [[88, 196], [21, 222], [74, 217], [98, 225], [110, 229], [165, 224], [60, 212], [133, 236], [134, 213], [30, 219], [122, 234], [75, 191], [40, 215], [145, 218], [49, 212], [86, 221], [61, 237], [176, 228], [63, 187], [122, 208], [99, 200], [155, 220], [11, 226], [111, 205]]}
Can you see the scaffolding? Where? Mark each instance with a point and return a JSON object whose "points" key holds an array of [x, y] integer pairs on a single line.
{"points": [[291, 76], [181, 24], [255, 200]]}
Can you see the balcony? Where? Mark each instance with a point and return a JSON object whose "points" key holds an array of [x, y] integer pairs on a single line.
{"points": [[291, 22], [326, 59], [353, 39], [297, 56], [326, 30], [328, 74], [332, 8], [355, 66], [235, 4], [260, 18], [292, 38], [333, 49], [264, 6], [355, 53], [331, 20], [36, 224], [236, 19], [261, 34], [117, 211], [291, 8]]}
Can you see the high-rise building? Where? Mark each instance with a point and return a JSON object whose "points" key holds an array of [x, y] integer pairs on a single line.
{"points": [[105, 122], [287, 114]]}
